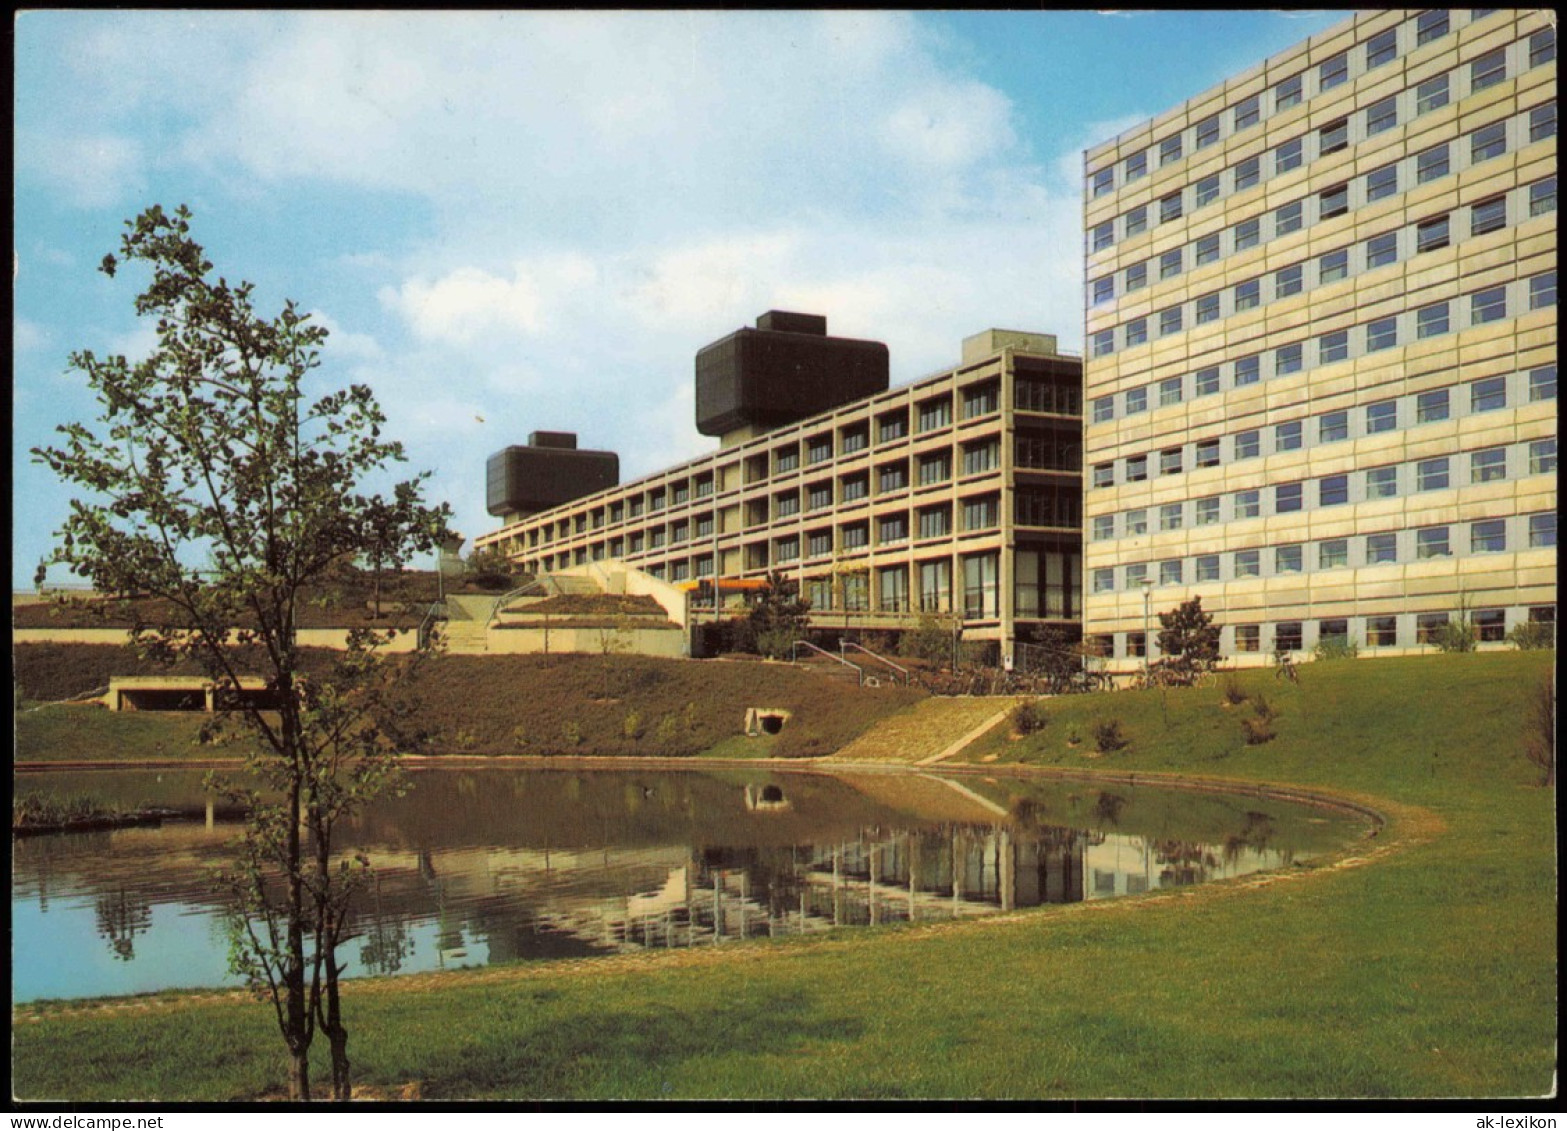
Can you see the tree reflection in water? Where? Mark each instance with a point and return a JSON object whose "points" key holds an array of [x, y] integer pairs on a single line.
{"points": [[121, 916]]}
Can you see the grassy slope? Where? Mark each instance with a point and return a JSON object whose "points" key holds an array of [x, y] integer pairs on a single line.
{"points": [[494, 705], [1429, 971]]}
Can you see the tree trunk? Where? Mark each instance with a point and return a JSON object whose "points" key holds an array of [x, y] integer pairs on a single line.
{"points": [[299, 1076]]}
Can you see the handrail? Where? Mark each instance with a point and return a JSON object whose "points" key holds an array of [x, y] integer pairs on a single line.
{"points": [[436, 612], [794, 657], [907, 675], [500, 602]]}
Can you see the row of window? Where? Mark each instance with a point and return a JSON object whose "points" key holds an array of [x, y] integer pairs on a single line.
{"points": [[1490, 304], [852, 591], [1399, 245], [1333, 137], [1388, 415], [1386, 630], [1381, 48], [1378, 184], [1386, 481], [983, 513], [1487, 215], [1390, 547]]}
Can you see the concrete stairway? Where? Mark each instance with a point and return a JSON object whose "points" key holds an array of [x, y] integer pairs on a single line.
{"points": [[932, 729]]}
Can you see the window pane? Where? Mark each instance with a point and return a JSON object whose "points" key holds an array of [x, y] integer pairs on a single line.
{"points": [[1248, 173], [1488, 465], [1381, 183], [1431, 474], [1248, 112], [1288, 219], [1333, 266], [1488, 395], [1542, 383], [1287, 437], [1432, 234], [1431, 164], [1431, 406], [1542, 122], [1333, 137], [1248, 294], [1248, 370], [1333, 72], [1488, 142], [1381, 548], [1488, 306], [1431, 320], [1542, 456], [1431, 25], [1288, 93], [1381, 334], [1333, 347], [1382, 116], [1381, 417], [1488, 70], [1333, 491], [1542, 291], [1170, 150], [1289, 281], [1332, 426], [1382, 250], [1288, 156], [1382, 483], [1382, 48], [1431, 94]]}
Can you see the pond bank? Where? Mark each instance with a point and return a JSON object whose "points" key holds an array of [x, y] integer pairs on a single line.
{"points": [[1421, 964]]}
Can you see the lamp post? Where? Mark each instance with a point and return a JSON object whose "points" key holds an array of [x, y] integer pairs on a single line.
{"points": [[1147, 607]]}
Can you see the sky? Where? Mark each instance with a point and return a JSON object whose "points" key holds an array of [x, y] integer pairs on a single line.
{"points": [[521, 221]]}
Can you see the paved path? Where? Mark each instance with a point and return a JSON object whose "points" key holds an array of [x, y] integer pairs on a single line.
{"points": [[931, 730]]}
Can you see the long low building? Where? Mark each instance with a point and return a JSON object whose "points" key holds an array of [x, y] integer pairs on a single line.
{"points": [[958, 495]]}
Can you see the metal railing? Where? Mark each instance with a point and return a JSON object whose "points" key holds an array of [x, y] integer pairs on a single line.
{"points": [[844, 645], [433, 616], [794, 657], [505, 598]]}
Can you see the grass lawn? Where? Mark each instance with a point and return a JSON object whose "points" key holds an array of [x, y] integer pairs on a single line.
{"points": [[1425, 966]]}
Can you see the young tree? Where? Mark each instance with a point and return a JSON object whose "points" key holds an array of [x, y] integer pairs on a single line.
{"points": [[780, 615], [214, 486], [1189, 638]]}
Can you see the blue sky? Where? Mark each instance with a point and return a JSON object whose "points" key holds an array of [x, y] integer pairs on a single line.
{"points": [[519, 221]]}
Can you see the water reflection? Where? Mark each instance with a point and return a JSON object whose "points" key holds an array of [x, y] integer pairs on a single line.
{"points": [[499, 866]]}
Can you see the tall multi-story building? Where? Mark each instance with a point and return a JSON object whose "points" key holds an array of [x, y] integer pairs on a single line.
{"points": [[958, 494], [1321, 344]]}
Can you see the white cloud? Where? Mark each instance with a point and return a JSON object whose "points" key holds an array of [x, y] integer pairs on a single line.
{"points": [[92, 170], [27, 336], [465, 304]]}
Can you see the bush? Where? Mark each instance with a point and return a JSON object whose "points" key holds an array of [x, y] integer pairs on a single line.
{"points": [[1029, 718], [1336, 648], [667, 727], [777, 643], [1257, 730], [1108, 737], [1455, 636], [1263, 709], [1532, 634], [631, 726], [1234, 693], [571, 733]]}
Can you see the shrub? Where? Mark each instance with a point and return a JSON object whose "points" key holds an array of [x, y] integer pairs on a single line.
{"points": [[519, 736], [465, 739], [1532, 634], [1234, 693], [631, 726], [1257, 730], [1029, 718], [777, 643], [690, 716], [1074, 737], [667, 726], [1336, 648], [1455, 636], [1539, 743], [1263, 709], [1108, 737], [571, 732]]}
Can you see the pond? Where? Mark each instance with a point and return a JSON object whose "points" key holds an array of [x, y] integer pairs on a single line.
{"points": [[500, 865]]}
